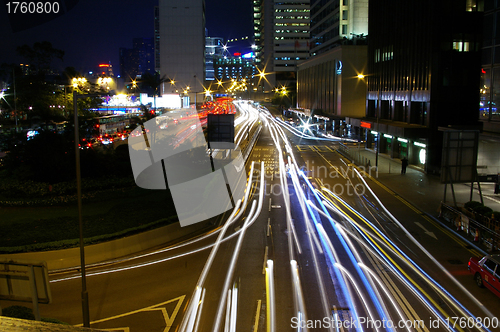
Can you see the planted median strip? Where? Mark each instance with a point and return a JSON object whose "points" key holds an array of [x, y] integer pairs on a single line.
{"points": [[108, 215]]}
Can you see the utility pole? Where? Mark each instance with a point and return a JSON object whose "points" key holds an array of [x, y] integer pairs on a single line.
{"points": [[15, 98]]}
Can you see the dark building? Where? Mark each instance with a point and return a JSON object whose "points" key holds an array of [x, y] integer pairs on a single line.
{"points": [[157, 38], [129, 63], [490, 78], [137, 60], [424, 65], [489, 112]]}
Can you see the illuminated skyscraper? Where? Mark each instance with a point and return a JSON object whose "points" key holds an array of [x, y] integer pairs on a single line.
{"points": [[336, 22], [281, 33]]}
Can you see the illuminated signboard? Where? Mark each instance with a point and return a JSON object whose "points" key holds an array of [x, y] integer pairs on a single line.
{"points": [[367, 125], [247, 55], [237, 54], [103, 65], [339, 67]]}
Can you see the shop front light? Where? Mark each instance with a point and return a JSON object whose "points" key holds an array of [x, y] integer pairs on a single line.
{"points": [[422, 145]]}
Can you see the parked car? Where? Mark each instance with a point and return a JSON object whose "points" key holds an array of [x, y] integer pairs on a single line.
{"points": [[486, 272]]}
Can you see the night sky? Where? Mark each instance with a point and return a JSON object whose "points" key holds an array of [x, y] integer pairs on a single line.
{"points": [[93, 30]]}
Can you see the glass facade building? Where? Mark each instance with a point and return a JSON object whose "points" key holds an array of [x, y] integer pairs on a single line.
{"points": [[424, 64], [489, 112]]}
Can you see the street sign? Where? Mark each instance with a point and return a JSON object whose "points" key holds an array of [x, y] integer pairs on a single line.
{"points": [[220, 131], [26, 281]]}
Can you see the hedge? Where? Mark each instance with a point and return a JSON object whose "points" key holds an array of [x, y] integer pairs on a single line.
{"points": [[72, 243]]}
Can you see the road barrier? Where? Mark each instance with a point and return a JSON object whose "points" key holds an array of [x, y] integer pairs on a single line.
{"points": [[484, 230]]}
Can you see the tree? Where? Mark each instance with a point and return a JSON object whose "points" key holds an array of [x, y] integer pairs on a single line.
{"points": [[154, 81], [40, 56]]}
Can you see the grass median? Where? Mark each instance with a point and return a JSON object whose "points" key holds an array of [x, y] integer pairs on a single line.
{"points": [[109, 214]]}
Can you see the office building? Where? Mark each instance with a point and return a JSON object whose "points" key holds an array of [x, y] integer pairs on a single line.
{"points": [[328, 85], [424, 65], [182, 45], [157, 38], [137, 60], [335, 22], [281, 34], [237, 67], [214, 47], [489, 112]]}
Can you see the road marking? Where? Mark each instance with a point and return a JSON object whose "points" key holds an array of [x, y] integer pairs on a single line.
{"points": [[265, 261], [169, 320], [256, 322], [431, 234], [268, 225], [416, 210]]}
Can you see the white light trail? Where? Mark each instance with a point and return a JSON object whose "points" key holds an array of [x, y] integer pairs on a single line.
{"points": [[437, 287], [270, 298], [254, 213]]}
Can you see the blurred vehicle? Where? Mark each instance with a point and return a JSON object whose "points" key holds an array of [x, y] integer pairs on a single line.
{"points": [[85, 144], [486, 272], [119, 137], [106, 139]]}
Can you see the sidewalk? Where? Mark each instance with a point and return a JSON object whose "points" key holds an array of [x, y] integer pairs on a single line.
{"points": [[426, 192]]}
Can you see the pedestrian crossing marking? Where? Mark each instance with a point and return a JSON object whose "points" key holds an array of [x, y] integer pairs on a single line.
{"points": [[314, 148]]}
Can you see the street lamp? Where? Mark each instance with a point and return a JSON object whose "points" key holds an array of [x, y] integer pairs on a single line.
{"points": [[85, 295]]}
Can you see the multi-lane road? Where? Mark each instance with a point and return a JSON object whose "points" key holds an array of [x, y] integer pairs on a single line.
{"points": [[315, 243]]}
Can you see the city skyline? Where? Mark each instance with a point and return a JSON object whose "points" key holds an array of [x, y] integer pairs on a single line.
{"points": [[93, 32]]}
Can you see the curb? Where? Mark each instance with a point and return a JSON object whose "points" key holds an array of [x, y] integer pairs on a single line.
{"points": [[96, 253]]}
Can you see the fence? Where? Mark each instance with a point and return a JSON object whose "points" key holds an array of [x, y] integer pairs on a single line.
{"points": [[352, 151], [480, 229]]}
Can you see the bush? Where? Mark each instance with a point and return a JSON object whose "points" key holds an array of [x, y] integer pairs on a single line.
{"points": [[21, 312], [483, 210], [472, 205], [496, 214], [18, 311]]}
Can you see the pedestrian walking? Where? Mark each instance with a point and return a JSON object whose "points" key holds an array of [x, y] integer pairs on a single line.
{"points": [[404, 164]]}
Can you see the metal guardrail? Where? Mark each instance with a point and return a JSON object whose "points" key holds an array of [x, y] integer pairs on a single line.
{"points": [[353, 152], [484, 230]]}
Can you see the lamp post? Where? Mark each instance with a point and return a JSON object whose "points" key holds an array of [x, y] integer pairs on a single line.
{"points": [[85, 295]]}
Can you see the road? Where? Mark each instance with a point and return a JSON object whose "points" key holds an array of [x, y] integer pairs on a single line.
{"points": [[318, 244]]}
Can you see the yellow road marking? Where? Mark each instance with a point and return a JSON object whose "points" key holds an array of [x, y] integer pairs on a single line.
{"points": [[169, 320], [257, 313]]}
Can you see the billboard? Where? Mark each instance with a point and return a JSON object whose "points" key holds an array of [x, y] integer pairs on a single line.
{"points": [[459, 157], [220, 131]]}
